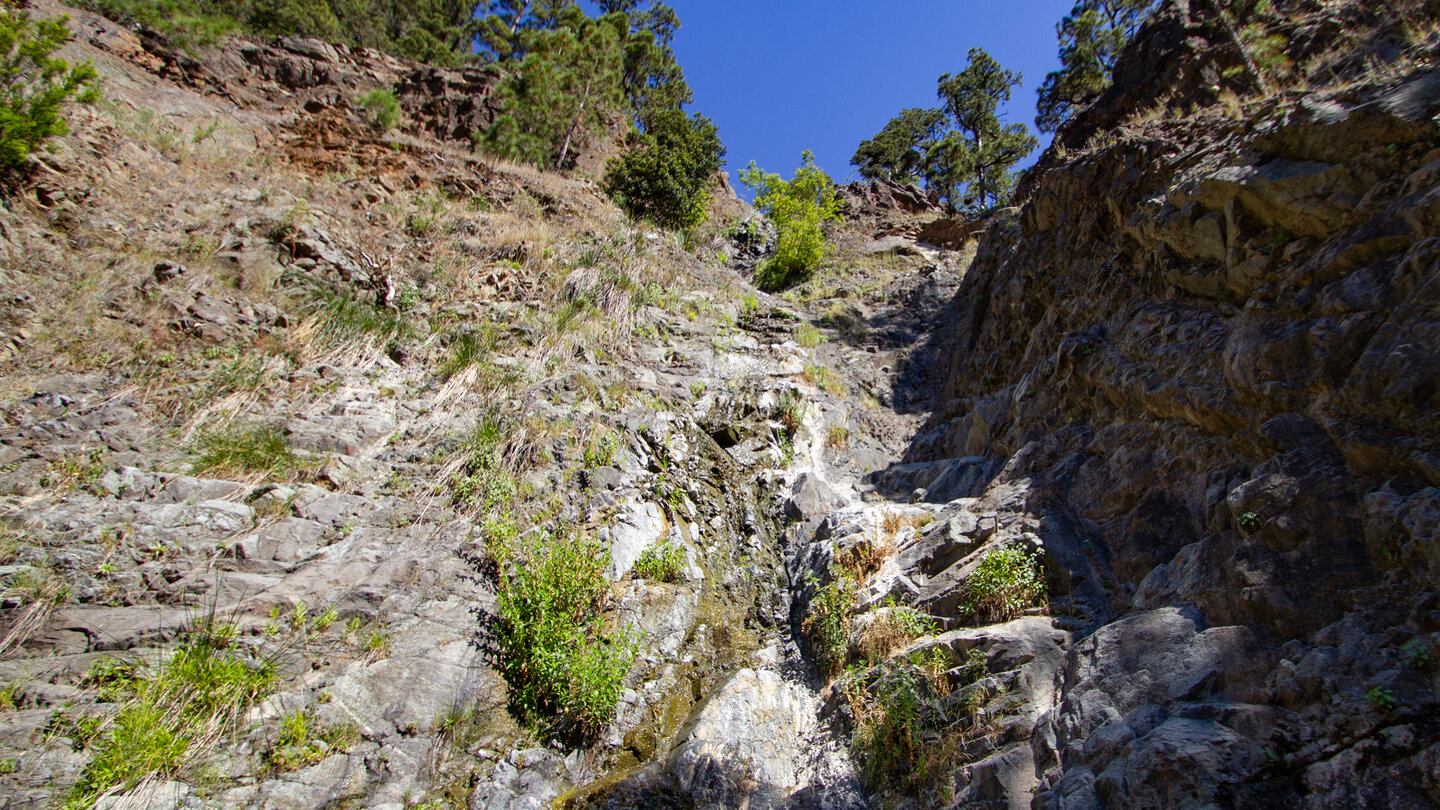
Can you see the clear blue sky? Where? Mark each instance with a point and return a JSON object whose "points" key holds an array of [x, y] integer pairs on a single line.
{"points": [[780, 76]]}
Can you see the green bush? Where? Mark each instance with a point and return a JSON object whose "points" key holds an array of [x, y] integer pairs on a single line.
{"points": [[827, 621], [798, 207], [33, 83], [662, 562], [1004, 584], [382, 108], [665, 171], [561, 662]]}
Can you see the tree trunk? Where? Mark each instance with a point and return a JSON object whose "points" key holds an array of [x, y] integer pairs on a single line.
{"points": [[580, 113], [1234, 37]]}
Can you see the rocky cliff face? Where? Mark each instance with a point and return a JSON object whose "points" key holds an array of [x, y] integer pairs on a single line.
{"points": [[259, 359], [1207, 350]]}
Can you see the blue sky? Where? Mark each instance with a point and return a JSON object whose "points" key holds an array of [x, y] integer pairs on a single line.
{"points": [[786, 75]]}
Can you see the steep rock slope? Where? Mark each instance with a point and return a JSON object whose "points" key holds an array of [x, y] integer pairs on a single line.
{"points": [[1206, 352], [275, 381]]}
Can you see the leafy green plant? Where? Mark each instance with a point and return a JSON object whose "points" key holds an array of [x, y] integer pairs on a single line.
{"points": [[565, 668], [791, 411], [1417, 654], [661, 562], [170, 715], [34, 83], [798, 207], [827, 621], [382, 108], [1005, 583], [1383, 700], [601, 448]]}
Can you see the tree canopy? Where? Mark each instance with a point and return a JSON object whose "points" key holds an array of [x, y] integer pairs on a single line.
{"points": [[960, 149], [1091, 38]]}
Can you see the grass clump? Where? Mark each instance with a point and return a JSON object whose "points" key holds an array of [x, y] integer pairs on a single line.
{"points": [[661, 562], [894, 627], [344, 317], [823, 378], [808, 336], [1005, 583], [381, 108], [243, 451], [565, 668], [170, 716], [303, 743]]}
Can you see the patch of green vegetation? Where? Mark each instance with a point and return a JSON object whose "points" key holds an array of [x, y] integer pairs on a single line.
{"points": [[34, 84], [791, 411], [1384, 700], [169, 716], [564, 666], [344, 317], [381, 108], [74, 472], [661, 562], [486, 482], [1417, 654], [240, 451], [601, 448], [665, 172], [909, 737], [798, 207], [303, 743], [808, 336], [827, 621], [823, 378], [1005, 583]]}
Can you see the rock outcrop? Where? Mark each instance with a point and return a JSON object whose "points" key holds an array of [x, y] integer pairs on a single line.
{"points": [[1207, 346], [1124, 497]]}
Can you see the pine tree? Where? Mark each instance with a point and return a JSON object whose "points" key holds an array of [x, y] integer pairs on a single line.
{"points": [[898, 152], [565, 90], [980, 151], [502, 33], [1091, 39]]}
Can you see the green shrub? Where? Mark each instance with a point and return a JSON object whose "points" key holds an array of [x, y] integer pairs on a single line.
{"points": [[170, 716], [891, 720], [798, 207], [661, 562], [382, 108], [1004, 584], [565, 669], [33, 83], [665, 170], [827, 622]]}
